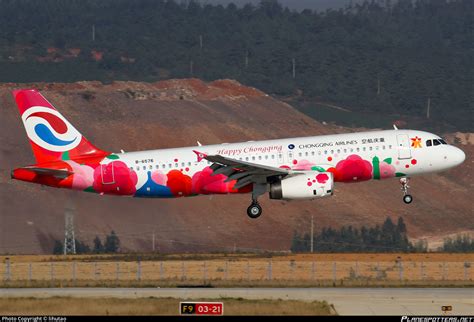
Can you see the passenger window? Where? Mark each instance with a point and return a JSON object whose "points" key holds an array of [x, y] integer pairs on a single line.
{"points": [[183, 164], [266, 157], [151, 167], [377, 148], [345, 150], [189, 164], [325, 151], [390, 147], [169, 165], [300, 154], [383, 147], [338, 151], [428, 143], [358, 149], [138, 168], [332, 151], [312, 153], [436, 142], [246, 158], [363, 149], [253, 158], [370, 148], [319, 152], [144, 167], [260, 157], [163, 166], [273, 156]]}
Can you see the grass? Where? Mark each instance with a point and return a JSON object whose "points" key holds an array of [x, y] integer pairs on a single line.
{"points": [[217, 270], [154, 306], [171, 283]]}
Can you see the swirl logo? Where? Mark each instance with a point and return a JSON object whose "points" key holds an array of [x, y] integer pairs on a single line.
{"points": [[291, 146], [50, 130]]}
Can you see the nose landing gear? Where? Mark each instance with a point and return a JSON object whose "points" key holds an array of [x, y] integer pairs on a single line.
{"points": [[407, 198]]}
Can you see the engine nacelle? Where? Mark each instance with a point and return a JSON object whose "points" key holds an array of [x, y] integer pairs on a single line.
{"points": [[307, 185]]}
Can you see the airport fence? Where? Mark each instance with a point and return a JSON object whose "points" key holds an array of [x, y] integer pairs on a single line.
{"points": [[236, 271]]}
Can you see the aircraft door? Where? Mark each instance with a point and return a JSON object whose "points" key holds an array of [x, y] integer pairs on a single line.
{"points": [[403, 147], [107, 173]]}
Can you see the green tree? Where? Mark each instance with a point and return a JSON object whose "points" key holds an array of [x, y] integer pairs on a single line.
{"points": [[82, 248], [98, 246], [58, 247], [112, 243]]}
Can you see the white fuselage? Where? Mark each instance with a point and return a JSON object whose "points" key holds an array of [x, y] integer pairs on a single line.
{"points": [[302, 153]]}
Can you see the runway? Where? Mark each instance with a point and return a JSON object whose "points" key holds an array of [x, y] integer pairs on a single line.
{"points": [[347, 301]]}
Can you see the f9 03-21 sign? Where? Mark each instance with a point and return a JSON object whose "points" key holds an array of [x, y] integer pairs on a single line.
{"points": [[201, 308]]}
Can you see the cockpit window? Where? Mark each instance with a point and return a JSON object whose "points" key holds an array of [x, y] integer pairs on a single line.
{"points": [[442, 141], [428, 143], [436, 142]]}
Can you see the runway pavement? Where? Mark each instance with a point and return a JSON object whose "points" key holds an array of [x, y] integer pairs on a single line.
{"points": [[347, 301]]}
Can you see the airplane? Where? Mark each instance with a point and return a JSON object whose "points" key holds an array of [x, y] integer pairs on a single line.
{"points": [[286, 169]]}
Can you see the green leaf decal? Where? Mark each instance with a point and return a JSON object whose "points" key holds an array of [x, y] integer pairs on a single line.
{"points": [[400, 174], [90, 189], [388, 160], [318, 168], [65, 156], [376, 163], [112, 157]]}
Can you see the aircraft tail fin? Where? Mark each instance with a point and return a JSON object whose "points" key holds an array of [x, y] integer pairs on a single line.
{"points": [[51, 136]]}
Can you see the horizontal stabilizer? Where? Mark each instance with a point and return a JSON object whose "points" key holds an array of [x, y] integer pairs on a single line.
{"points": [[60, 174]]}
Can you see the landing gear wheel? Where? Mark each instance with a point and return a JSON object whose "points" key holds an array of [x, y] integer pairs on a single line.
{"points": [[407, 199], [254, 210]]}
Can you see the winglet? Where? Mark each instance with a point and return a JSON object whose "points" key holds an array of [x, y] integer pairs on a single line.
{"points": [[200, 155]]}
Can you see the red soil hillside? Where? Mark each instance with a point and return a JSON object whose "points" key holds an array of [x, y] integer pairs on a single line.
{"points": [[135, 116]]}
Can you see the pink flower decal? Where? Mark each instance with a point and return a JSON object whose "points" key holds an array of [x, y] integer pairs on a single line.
{"points": [[302, 165], [83, 175], [322, 178], [386, 170], [352, 169], [204, 183], [159, 178], [115, 178]]}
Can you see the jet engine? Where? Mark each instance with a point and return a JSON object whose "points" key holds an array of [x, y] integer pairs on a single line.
{"points": [[303, 185]]}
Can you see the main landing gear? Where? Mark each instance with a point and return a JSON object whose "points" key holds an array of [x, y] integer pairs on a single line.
{"points": [[255, 210], [407, 198]]}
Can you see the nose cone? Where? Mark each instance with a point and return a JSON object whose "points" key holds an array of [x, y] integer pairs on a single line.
{"points": [[457, 156]]}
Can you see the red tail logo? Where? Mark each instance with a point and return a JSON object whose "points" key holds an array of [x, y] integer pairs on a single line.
{"points": [[51, 136]]}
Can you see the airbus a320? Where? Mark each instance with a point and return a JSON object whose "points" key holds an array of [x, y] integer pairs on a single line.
{"points": [[288, 169]]}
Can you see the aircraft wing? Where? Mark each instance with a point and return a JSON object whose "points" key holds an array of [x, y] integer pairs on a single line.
{"points": [[60, 174], [242, 171]]}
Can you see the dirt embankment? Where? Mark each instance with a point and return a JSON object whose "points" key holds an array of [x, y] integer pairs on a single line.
{"points": [[136, 116]]}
